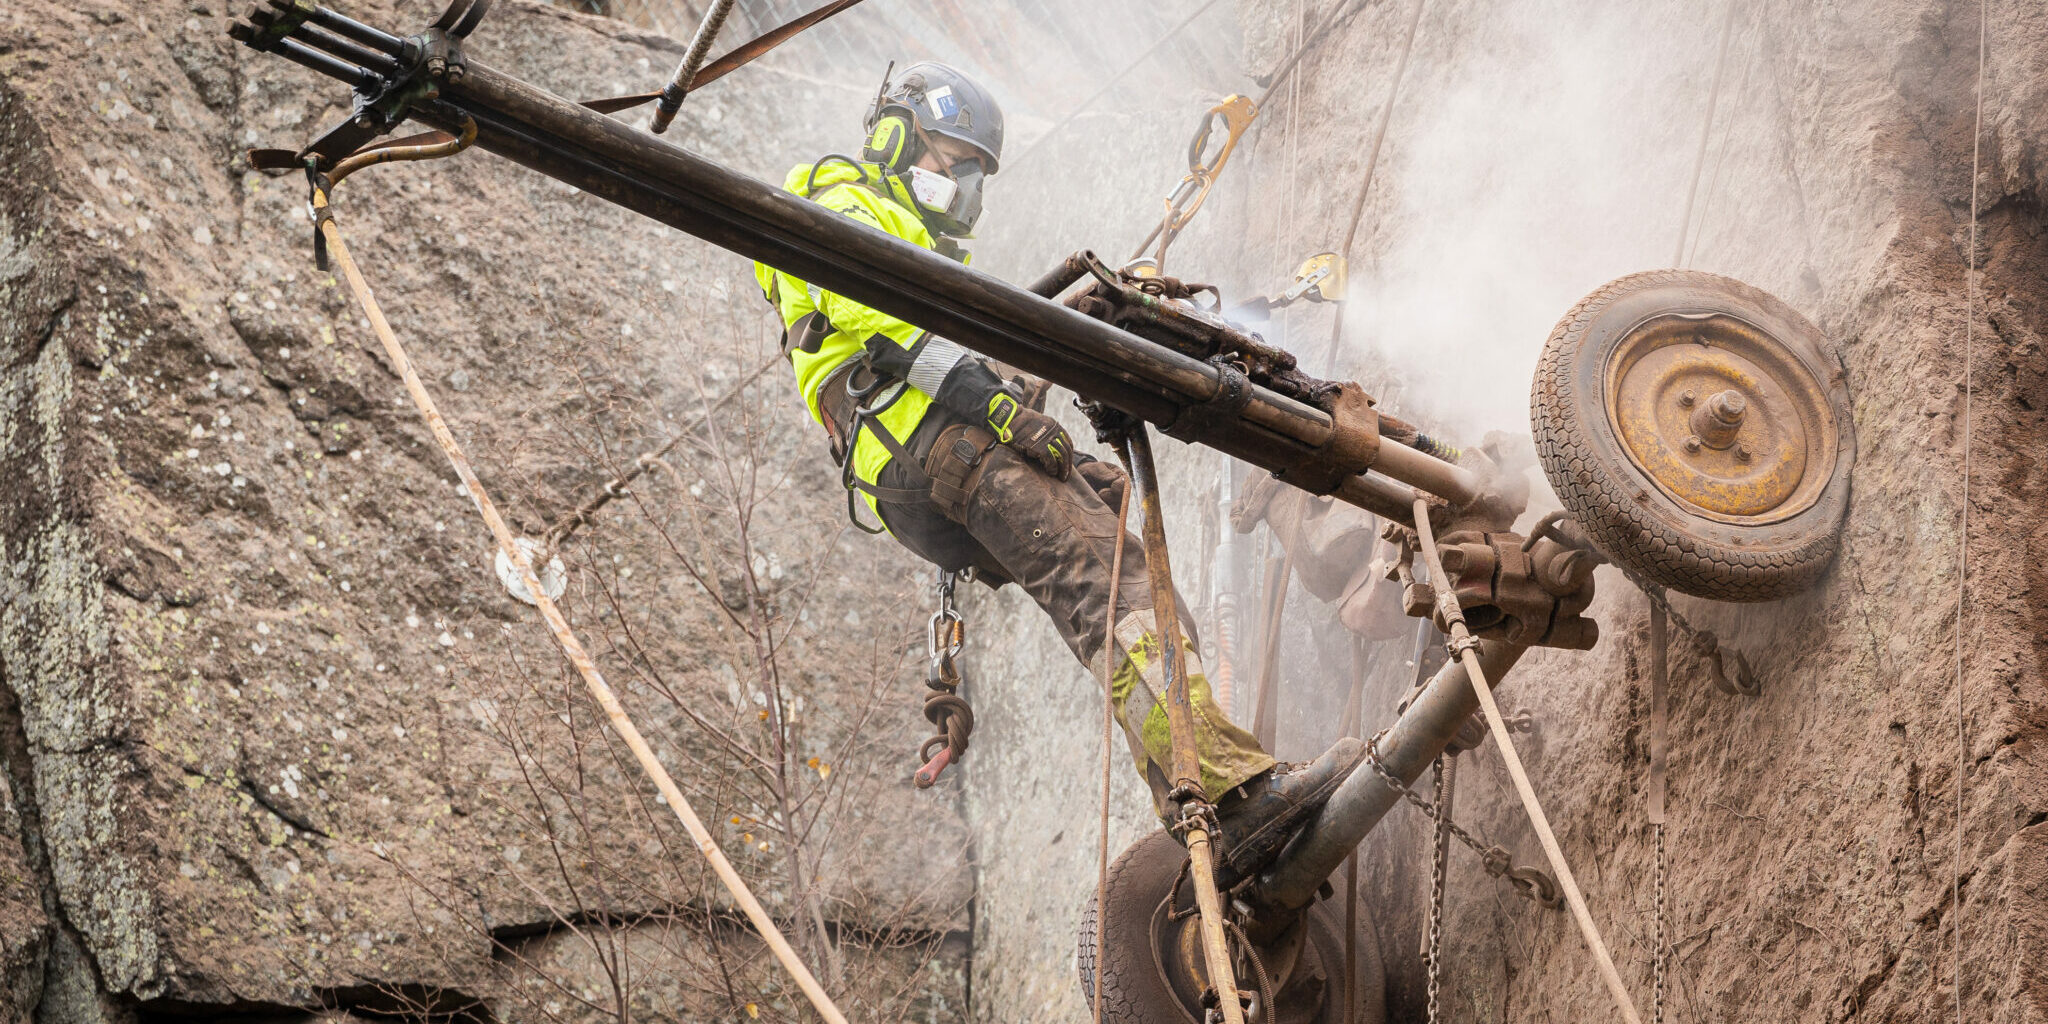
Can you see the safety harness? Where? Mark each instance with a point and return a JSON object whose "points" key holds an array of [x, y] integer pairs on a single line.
{"points": [[854, 396]]}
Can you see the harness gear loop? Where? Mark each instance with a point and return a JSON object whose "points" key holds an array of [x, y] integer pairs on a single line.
{"points": [[945, 638]]}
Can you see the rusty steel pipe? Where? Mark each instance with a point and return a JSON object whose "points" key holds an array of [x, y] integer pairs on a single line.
{"points": [[649, 175], [1408, 748], [1051, 283], [1454, 483]]}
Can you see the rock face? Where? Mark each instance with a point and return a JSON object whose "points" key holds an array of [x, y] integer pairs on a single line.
{"points": [[274, 737], [274, 741], [1536, 151]]}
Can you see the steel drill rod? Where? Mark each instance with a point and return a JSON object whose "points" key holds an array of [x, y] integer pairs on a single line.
{"points": [[1060, 278], [343, 25], [627, 166], [321, 39], [1180, 716], [1408, 748], [333, 67], [998, 319]]}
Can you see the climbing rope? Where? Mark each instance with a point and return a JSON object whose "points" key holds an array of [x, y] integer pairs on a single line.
{"points": [[583, 514], [1197, 823], [1109, 660], [1237, 114], [1372, 164], [1081, 107], [1706, 130], [558, 624], [1727, 136], [1963, 531], [1465, 647]]}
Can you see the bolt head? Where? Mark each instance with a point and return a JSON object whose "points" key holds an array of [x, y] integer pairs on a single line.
{"points": [[1686, 398], [1692, 444], [1741, 454], [1729, 406]]}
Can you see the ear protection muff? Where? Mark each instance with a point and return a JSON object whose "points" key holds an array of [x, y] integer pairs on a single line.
{"points": [[892, 142]]}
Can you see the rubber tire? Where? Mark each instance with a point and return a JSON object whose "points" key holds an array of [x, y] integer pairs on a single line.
{"points": [[1631, 520], [1134, 991]]}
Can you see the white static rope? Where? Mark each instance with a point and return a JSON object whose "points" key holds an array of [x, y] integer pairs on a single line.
{"points": [[1706, 131], [572, 648], [1461, 639]]}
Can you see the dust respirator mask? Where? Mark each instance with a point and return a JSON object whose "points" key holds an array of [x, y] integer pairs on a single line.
{"points": [[951, 203]]}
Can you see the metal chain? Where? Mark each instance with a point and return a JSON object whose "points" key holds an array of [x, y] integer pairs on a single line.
{"points": [[1531, 882], [1657, 958], [1439, 859], [1743, 682]]}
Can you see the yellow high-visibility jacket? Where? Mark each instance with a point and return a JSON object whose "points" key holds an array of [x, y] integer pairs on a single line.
{"points": [[862, 192]]}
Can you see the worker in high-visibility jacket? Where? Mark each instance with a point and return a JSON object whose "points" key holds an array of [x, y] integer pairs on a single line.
{"points": [[961, 467]]}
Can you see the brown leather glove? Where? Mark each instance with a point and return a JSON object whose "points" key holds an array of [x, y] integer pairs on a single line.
{"points": [[1033, 434], [1106, 479]]}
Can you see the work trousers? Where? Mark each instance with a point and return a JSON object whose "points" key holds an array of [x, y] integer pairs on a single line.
{"points": [[1056, 539]]}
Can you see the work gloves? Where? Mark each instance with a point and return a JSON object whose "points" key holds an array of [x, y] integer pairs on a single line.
{"points": [[964, 384], [960, 381], [1033, 434], [1106, 479]]}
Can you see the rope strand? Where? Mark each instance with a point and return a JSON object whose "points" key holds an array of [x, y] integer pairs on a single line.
{"points": [[1116, 574]]}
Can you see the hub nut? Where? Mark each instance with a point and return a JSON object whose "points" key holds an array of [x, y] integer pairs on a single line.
{"points": [[1716, 422]]}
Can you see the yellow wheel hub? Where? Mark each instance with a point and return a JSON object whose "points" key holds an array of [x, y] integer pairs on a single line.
{"points": [[1721, 417]]}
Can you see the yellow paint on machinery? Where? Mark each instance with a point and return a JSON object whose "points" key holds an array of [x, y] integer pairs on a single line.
{"points": [[1721, 417]]}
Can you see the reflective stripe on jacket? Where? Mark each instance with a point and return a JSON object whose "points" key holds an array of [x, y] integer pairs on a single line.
{"points": [[859, 191]]}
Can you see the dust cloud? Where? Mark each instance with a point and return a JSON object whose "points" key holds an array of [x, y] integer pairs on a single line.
{"points": [[1558, 160]]}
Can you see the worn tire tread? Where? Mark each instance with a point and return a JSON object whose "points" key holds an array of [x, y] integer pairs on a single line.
{"points": [[1600, 498]]}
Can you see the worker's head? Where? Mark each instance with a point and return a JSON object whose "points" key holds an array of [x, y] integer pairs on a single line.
{"points": [[944, 132]]}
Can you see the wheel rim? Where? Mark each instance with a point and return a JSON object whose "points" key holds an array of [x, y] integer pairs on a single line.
{"points": [[1721, 417], [1301, 990]]}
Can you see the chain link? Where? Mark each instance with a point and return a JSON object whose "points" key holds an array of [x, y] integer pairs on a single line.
{"points": [[1657, 959], [1534, 883], [1439, 859], [1743, 682]]}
